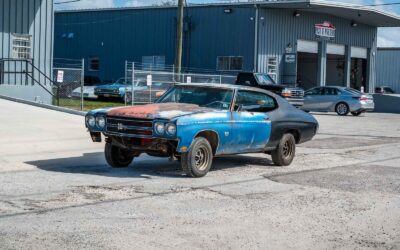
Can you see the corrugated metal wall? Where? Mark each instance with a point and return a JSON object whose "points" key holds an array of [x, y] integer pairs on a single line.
{"points": [[33, 17], [128, 34], [278, 28], [388, 68]]}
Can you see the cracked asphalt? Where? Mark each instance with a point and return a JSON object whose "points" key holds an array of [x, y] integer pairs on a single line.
{"points": [[56, 191]]}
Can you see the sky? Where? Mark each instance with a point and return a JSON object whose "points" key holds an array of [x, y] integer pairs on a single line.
{"points": [[387, 37]]}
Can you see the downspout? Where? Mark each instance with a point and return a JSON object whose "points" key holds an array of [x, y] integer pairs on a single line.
{"points": [[256, 40]]}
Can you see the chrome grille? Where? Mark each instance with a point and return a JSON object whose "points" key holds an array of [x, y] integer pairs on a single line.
{"points": [[130, 126], [105, 90], [297, 93]]}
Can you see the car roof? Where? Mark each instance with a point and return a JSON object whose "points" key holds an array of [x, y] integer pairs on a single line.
{"points": [[223, 86]]}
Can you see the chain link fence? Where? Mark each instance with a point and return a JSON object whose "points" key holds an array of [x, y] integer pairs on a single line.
{"points": [[144, 83]]}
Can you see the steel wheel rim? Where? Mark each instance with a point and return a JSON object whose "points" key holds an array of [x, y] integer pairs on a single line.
{"points": [[201, 158], [287, 149], [342, 109]]}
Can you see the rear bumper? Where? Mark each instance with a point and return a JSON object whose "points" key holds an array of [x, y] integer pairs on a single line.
{"points": [[363, 107]]}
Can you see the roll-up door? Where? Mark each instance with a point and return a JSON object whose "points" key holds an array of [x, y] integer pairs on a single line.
{"points": [[359, 52], [335, 49], [307, 46]]}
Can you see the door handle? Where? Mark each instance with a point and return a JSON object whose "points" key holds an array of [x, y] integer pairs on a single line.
{"points": [[266, 118]]}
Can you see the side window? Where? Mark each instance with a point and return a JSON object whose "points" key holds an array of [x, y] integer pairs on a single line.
{"points": [[254, 101], [314, 91], [330, 91]]}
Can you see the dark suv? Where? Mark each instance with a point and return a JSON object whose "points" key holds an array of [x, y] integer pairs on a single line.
{"points": [[293, 95], [384, 90]]}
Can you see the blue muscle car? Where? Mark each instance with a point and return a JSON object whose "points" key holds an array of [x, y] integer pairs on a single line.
{"points": [[194, 123]]}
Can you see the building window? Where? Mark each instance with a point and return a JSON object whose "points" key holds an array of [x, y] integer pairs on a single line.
{"points": [[21, 46], [272, 67], [94, 64], [229, 63], [153, 62]]}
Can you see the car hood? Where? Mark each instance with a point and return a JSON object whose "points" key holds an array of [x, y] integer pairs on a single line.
{"points": [[158, 111], [110, 86]]}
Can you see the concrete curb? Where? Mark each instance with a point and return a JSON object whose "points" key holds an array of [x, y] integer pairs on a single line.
{"points": [[46, 106]]}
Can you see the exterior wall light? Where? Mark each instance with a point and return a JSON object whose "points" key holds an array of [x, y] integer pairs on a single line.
{"points": [[296, 14], [354, 24], [228, 11]]}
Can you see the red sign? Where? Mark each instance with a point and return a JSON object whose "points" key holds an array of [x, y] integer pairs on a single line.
{"points": [[325, 29]]}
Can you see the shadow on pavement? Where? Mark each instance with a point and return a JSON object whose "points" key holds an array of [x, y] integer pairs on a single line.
{"points": [[142, 167]]}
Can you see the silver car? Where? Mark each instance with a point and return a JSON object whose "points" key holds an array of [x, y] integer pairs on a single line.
{"points": [[341, 100]]}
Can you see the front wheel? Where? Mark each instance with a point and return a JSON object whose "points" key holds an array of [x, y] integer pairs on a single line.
{"points": [[117, 157], [198, 160], [284, 154]]}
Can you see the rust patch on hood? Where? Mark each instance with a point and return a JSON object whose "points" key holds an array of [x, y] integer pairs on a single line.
{"points": [[158, 110]]}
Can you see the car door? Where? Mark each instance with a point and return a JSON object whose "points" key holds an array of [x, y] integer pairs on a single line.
{"points": [[313, 99], [251, 127], [329, 99]]}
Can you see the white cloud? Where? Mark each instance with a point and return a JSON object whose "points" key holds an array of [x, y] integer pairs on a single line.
{"points": [[86, 4]]}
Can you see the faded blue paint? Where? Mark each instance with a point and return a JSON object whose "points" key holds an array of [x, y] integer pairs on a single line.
{"points": [[388, 73]]}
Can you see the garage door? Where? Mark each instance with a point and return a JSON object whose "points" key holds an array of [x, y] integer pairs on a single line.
{"points": [[358, 52], [307, 46], [335, 49]]}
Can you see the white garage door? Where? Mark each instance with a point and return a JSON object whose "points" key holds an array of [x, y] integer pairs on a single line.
{"points": [[335, 49], [358, 52], [307, 46]]}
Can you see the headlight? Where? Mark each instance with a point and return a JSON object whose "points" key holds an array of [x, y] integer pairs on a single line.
{"points": [[286, 93], [101, 121], [171, 129], [91, 121], [159, 127]]}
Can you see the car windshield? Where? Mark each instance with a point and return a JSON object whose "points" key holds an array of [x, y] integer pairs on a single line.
{"points": [[123, 81], [264, 79], [209, 97]]}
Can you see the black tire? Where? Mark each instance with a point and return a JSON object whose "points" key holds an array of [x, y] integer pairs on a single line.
{"points": [[117, 157], [356, 113], [198, 160], [342, 109], [284, 154]]}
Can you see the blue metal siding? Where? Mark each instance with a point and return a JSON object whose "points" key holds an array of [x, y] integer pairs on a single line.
{"points": [[278, 28], [388, 68], [129, 34]]}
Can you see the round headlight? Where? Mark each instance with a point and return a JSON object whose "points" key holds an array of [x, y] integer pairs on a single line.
{"points": [[101, 121], [160, 128], [171, 129], [91, 121]]}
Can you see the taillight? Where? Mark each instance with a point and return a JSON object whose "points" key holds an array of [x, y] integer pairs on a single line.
{"points": [[363, 98]]}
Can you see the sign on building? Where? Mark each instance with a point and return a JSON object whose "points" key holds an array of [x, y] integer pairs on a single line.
{"points": [[60, 76], [325, 30]]}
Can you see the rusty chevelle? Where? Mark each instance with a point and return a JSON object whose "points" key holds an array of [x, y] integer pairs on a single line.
{"points": [[193, 123]]}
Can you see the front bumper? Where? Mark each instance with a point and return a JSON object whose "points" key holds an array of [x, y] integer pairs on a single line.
{"points": [[297, 102]]}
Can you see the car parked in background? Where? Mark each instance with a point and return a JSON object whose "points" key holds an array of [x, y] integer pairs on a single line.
{"points": [[88, 89], [194, 123], [292, 94], [149, 93], [338, 99], [384, 90], [119, 88]]}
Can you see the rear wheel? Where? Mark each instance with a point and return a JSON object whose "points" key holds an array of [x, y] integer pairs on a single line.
{"points": [[356, 113], [198, 160], [284, 154], [342, 109], [117, 157]]}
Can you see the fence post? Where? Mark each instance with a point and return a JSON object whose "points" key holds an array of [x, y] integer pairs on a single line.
{"points": [[133, 83], [82, 81], [220, 79]]}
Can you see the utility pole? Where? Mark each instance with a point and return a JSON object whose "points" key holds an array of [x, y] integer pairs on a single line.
{"points": [[179, 40]]}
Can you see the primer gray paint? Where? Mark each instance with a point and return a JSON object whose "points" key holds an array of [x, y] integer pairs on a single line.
{"points": [[33, 17]]}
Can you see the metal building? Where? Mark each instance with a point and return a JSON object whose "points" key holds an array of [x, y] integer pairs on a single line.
{"points": [[26, 48], [388, 68], [305, 42]]}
